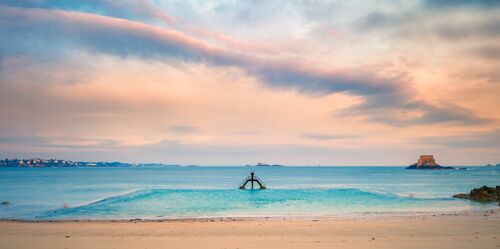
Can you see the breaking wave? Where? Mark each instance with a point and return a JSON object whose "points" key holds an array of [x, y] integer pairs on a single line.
{"points": [[195, 202]]}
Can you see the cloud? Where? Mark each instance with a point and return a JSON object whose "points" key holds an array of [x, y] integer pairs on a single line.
{"points": [[143, 11], [55, 142], [407, 112], [440, 4], [487, 27], [488, 52], [477, 140], [183, 129], [380, 20], [319, 136], [130, 9], [57, 29], [128, 38], [23, 140], [422, 22]]}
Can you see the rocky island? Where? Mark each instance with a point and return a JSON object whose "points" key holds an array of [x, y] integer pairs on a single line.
{"points": [[427, 162], [265, 165]]}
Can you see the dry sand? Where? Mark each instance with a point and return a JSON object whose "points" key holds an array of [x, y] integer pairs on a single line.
{"points": [[466, 230]]}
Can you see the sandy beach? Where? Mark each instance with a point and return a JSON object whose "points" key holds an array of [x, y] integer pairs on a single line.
{"points": [[479, 229]]}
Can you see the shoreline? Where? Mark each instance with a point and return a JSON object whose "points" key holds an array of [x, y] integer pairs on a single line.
{"points": [[361, 216], [465, 230]]}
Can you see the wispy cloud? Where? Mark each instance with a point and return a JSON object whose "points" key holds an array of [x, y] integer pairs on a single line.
{"points": [[128, 38], [320, 136], [475, 140], [183, 129]]}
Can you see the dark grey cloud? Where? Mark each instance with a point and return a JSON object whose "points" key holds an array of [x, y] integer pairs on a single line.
{"points": [[59, 30]]}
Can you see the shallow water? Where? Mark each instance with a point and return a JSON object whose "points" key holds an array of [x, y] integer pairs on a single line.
{"points": [[174, 192]]}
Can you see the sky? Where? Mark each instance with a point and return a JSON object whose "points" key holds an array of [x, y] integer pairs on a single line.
{"points": [[231, 82]]}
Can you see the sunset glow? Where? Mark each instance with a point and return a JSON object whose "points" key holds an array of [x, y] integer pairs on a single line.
{"points": [[241, 82]]}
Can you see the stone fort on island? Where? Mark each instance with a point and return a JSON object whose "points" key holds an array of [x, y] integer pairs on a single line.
{"points": [[426, 160]]}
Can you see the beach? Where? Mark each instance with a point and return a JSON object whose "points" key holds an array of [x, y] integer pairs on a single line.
{"points": [[476, 229]]}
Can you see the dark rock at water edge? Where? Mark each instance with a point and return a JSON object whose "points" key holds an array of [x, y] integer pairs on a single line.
{"points": [[482, 194], [415, 166]]}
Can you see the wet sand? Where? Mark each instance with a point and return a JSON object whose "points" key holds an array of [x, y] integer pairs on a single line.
{"points": [[479, 229]]}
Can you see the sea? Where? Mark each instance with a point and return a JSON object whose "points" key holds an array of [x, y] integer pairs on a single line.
{"points": [[167, 192]]}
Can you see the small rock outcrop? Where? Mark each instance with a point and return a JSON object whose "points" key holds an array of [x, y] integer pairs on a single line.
{"points": [[427, 162], [482, 194]]}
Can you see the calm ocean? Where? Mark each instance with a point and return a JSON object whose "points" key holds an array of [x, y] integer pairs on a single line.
{"points": [[176, 192]]}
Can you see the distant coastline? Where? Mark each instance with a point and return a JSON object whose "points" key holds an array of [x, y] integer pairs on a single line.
{"points": [[58, 163], [62, 163]]}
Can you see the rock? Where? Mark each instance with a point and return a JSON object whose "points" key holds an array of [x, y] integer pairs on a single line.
{"points": [[482, 194], [415, 166], [485, 194], [461, 196]]}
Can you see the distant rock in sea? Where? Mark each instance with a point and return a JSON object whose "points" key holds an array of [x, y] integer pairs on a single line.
{"points": [[427, 162], [482, 194], [267, 165]]}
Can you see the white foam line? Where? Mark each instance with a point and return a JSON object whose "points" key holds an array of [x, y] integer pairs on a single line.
{"points": [[106, 198]]}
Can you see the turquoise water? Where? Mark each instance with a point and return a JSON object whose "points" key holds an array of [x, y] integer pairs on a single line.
{"points": [[175, 192]]}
